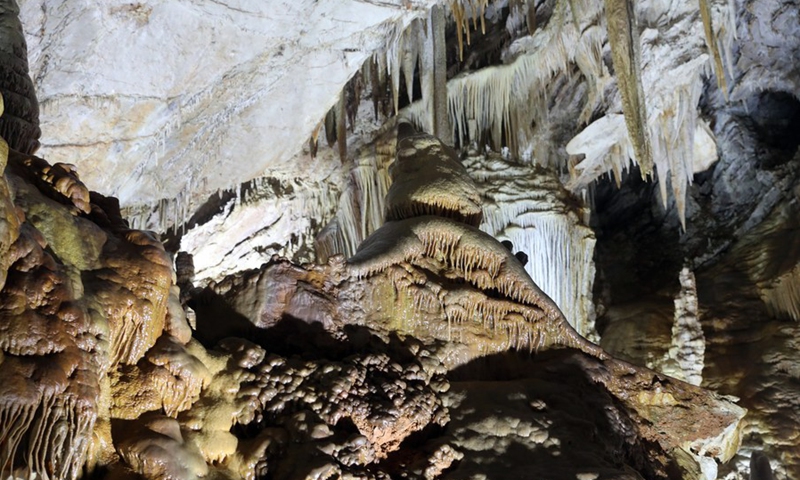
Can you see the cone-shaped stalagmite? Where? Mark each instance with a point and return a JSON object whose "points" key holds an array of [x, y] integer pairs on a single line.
{"points": [[429, 180], [472, 290]]}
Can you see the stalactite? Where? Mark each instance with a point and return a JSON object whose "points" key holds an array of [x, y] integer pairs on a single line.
{"points": [[530, 16], [441, 120], [341, 126], [458, 14], [589, 59], [410, 55], [394, 60], [574, 11], [623, 35], [353, 91], [782, 295], [330, 126], [313, 142], [713, 47], [377, 87], [428, 72]]}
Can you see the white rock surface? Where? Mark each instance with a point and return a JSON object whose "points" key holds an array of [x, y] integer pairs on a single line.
{"points": [[176, 99]]}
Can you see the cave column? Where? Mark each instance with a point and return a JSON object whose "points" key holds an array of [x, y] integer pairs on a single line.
{"points": [[441, 120]]}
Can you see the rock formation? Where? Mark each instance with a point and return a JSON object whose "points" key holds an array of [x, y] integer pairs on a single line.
{"points": [[315, 371], [645, 163]]}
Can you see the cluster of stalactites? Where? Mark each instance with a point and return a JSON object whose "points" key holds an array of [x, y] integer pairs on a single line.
{"points": [[417, 50], [535, 213], [666, 121], [499, 102], [463, 12], [508, 103], [362, 204]]}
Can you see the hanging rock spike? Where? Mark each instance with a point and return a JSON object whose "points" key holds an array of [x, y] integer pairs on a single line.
{"points": [[711, 41], [623, 35]]}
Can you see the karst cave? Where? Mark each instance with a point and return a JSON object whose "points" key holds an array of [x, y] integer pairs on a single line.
{"points": [[400, 239]]}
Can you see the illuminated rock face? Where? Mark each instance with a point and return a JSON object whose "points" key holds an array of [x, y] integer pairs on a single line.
{"points": [[84, 296], [151, 98]]}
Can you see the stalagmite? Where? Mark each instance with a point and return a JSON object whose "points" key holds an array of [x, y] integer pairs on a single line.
{"points": [[19, 125], [429, 188], [623, 35], [688, 343], [422, 247], [53, 356], [9, 219], [428, 179]]}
